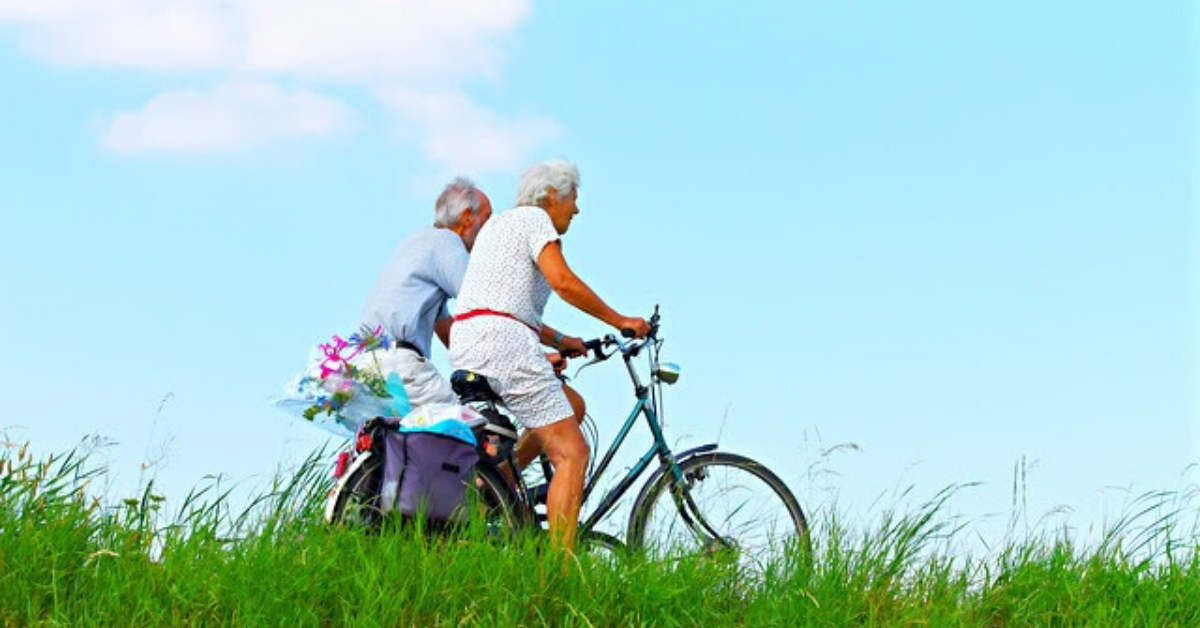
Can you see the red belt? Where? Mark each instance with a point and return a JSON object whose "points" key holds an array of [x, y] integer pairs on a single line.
{"points": [[486, 312]]}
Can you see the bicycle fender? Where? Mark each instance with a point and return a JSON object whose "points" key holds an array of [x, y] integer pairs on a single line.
{"points": [[331, 499], [655, 477]]}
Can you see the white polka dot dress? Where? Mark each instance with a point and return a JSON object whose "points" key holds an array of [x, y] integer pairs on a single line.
{"points": [[503, 276]]}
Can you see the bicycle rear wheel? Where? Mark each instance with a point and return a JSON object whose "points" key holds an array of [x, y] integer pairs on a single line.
{"points": [[487, 501], [490, 504], [727, 504], [357, 503]]}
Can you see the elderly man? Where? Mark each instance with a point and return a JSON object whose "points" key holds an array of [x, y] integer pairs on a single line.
{"points": [[498, 329], [409, 298]]}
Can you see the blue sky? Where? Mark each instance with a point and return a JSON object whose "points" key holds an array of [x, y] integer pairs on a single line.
{"points": [[957, 235]]}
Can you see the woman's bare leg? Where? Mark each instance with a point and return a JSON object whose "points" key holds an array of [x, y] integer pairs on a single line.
{"points": [[528, 447], [568, 451]]}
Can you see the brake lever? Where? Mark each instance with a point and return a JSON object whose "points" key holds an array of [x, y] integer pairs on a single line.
{"points": [[597, 349], [587, 364]]}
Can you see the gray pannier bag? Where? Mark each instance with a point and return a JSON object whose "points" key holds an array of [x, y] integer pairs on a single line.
{"points": [[426, 472]]}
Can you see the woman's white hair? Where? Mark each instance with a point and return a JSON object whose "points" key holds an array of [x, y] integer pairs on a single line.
{"points": [[558, 174], [458, 195]]}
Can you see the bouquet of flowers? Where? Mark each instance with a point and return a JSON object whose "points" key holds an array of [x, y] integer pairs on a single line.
{"points": [[338, 395]]}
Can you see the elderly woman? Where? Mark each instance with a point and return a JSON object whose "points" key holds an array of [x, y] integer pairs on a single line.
{"points": [[498, 331]]}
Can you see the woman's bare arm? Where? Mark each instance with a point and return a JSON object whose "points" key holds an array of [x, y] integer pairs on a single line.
{"points": [[573, 290]]}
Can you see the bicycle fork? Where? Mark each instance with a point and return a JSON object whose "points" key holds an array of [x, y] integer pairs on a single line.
{"points": [[690, 513]]}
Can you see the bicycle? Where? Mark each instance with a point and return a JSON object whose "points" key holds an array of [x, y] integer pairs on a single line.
{"points": [[699, 500]]}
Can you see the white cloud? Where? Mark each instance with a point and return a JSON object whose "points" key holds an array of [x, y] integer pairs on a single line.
{"points": [[398, 47], [31, 11], [235, 115], [139, 34], [378, 40], [467, 137], [353, 40]]}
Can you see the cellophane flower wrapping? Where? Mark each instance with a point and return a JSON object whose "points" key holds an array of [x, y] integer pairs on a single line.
{"points": [[338, 396]]}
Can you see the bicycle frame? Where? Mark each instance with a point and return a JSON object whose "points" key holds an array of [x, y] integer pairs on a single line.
{"points": [[659, 448], [646, 406]]}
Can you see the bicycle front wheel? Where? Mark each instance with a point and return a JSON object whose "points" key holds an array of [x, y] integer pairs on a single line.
{"points": [[727, 504]]}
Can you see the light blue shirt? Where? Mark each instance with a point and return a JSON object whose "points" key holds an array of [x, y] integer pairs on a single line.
{"points": [[410, 296]]}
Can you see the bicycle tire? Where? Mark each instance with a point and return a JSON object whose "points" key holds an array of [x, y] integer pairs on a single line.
{"points": [[762, 529], [490, 502], [603, 546], [357, 503]]}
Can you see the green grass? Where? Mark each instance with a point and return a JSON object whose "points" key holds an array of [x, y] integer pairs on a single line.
{"points": [[68, 560]]}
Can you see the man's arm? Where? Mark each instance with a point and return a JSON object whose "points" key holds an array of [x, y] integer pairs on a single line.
{"points": [[451, 265], [442, 329]]}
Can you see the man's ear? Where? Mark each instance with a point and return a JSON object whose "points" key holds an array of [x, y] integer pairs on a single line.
{"points": [[466, 219]]}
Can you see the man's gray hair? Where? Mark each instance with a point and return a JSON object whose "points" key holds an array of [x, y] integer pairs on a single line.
{"points": [[458, 195], [537, 181]]}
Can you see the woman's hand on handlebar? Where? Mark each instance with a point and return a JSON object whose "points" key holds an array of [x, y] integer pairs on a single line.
{"points": [[569, 347], [572, 347], [634, 327]]}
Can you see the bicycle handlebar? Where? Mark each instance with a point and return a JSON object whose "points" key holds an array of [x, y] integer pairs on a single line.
{"points": [[629, 349]]}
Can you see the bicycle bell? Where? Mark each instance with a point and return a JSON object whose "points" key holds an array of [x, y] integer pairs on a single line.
{"points": [[667, 372]]}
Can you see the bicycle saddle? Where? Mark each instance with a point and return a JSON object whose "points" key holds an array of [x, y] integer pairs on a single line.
{"points": [[472, 387]]}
